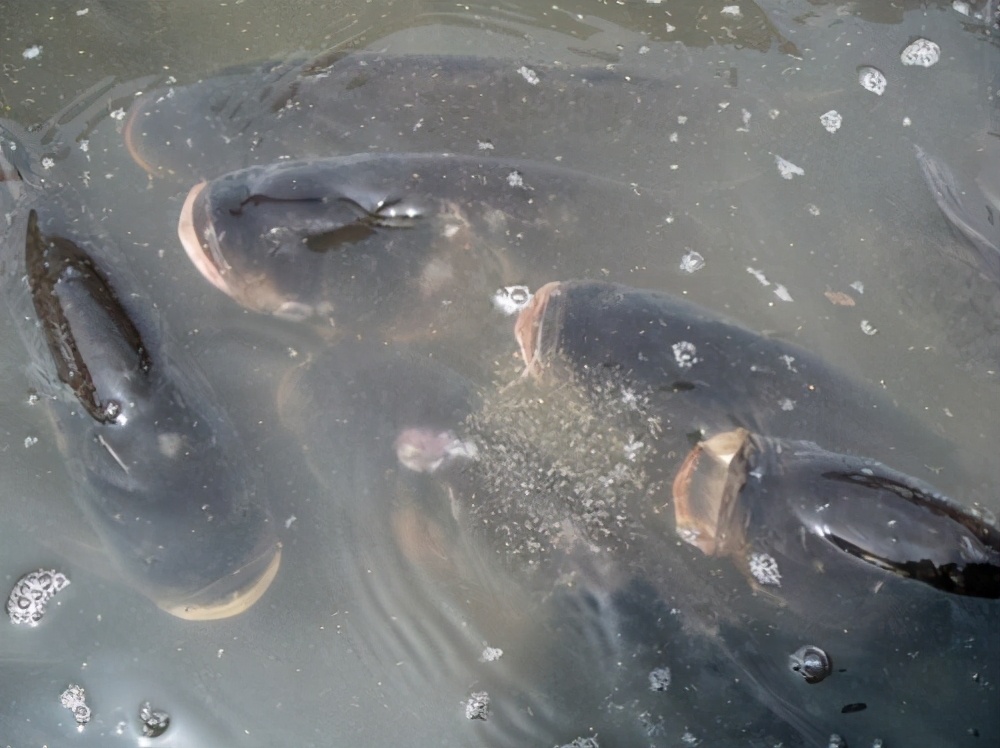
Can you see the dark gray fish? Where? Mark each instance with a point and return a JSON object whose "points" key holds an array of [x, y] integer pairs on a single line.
{"points": [[973, 210], [340, 103], [586, 502], [787, 511], [682, 357], [417, 243], [159, 471]]}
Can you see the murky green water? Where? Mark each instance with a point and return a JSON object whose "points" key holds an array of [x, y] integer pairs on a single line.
{"points": [[357, 645]]}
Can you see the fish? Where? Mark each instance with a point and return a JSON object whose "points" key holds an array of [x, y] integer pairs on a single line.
{"points": [[157, 469], [972, 210], [707, 374], [341, 103], [413, 245], [805, 575]]}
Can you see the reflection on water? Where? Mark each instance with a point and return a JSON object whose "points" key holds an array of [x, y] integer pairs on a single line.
{"points": [[382, 624]]}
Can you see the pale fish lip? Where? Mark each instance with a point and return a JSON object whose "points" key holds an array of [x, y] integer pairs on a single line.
{"points": [[129, 131], [196, 251], [231, 604]]}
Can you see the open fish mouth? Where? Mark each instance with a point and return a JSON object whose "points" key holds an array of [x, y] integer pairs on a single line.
{"points": [[529, 327], [233, 594], [705, 490]]}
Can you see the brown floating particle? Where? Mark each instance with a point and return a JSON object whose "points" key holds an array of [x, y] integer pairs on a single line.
{"points": [[839, 298]]}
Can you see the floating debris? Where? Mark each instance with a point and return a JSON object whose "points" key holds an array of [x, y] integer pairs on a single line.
{"points": [[759, 276], [813, 209], [30, 441], [787, 169], [659, 679], [32, 52], [782, 293], [872, 79], [867, 328], [732, 11], [529, 75], [478, 706], [764, 569], [786, 404], [491, 654], [858, 286], [746, 122], [922, 52], [31, 595], [839, 298], [74, 698], [961, 6], [512, 299], [154, 721], [831, 121], [484, 145], [692, 262]]}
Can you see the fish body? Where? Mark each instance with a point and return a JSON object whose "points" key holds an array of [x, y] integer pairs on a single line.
{"points": [[158, 471]]}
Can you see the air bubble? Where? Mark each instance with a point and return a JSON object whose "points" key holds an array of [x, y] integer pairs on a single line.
{"points": [[812, 663]]}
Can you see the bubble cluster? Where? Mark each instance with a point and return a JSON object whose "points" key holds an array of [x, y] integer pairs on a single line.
{"points": [[692, 262], [74, 698], [478, 706], [872, 79], [921, 52], [659, 679], [831, 121], [31, 594], [528, 74], [491, 654], [764, 569], [512, 299], [685, 354], [582, 743], [154, 721]]}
